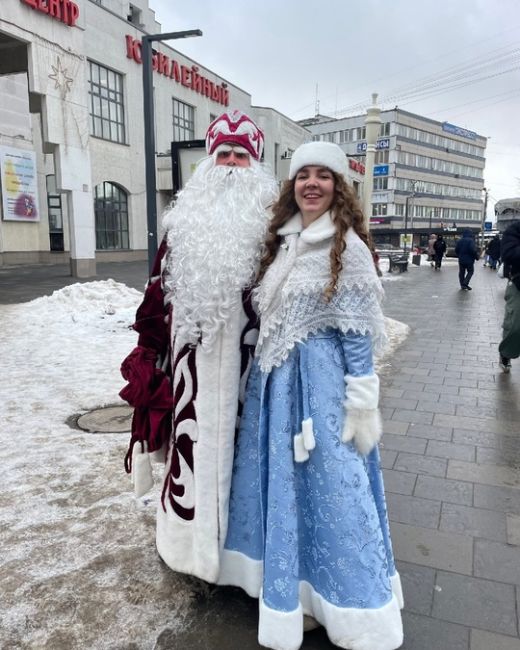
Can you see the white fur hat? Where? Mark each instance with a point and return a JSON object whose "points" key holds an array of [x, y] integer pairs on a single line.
{"points": [[324, 154]]}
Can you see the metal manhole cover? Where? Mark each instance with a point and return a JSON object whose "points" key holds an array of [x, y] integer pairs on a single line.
{"points": [[110, 419]]}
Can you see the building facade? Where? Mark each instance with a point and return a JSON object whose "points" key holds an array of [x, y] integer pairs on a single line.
{"points": [[71, 128], [428, 175]]}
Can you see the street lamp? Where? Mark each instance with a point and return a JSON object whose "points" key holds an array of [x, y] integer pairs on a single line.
{"points": [[410, 196], [149, 134], [372, 129]]}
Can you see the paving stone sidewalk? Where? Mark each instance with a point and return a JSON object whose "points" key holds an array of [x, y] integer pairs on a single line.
{"points": [[451, 458]]}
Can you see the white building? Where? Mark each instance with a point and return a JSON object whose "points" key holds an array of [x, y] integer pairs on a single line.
{"points": [[428, 175], [71, 128]]}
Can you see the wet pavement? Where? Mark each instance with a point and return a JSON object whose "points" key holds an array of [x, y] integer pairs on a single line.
{"points": [[451, 458]]}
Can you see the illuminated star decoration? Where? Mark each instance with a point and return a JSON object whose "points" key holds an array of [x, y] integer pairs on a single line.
{"points": [[60, 78]]}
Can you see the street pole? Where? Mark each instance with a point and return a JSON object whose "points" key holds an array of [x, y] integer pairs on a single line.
{"points": [[484, 211], [410, 196], [149, 134], [372, 130]]}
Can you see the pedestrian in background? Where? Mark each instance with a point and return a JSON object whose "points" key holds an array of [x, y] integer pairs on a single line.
{"points": [[466, 251], [431, 249], [439, 248], [308, 530], [509, 347], [493, 251]]}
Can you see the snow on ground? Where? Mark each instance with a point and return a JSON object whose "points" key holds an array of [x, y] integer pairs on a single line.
{"points": [[78, 568]]}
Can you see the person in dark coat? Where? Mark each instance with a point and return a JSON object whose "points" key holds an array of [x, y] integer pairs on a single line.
{"points": [[509, 347], [439, 246], [493, 250], [466, 251]]}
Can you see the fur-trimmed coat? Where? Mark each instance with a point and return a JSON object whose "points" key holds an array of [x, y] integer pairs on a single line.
{"points": [[187, 403]]}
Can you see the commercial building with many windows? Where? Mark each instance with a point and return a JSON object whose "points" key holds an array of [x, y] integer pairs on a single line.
{"points": [[72, 168], [428, 175]]}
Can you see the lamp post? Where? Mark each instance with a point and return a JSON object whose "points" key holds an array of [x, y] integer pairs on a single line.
{"points": [[149, 134], [484, 211], [372, 128], [410, 196]]}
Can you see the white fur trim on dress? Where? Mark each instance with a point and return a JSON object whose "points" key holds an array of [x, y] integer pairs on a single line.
{"points": [[347, 627], [363, 422], [304, 441], [239, 570]]}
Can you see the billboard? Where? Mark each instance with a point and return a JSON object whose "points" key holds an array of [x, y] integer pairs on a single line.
{"points": [[19, 182]]}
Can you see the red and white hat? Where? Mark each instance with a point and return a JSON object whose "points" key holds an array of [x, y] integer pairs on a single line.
{"points": [[235, 127]]}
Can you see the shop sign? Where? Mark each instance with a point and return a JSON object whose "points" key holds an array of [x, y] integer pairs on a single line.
{"points": [[189, 77], [19, 182], [378, 221], [356, 166], [384, 143], [64, 10], [458, 130], [380, 170]]}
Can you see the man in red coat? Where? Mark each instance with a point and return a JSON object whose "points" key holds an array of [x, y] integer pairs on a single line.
{"points": [[197, 332]]}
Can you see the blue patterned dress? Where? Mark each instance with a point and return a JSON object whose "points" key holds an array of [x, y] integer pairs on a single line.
{"points": [[311, 537]]}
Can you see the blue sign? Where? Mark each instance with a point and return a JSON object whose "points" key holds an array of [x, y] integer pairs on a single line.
{"points": [[458, 130], [380, 170], [488, 225], [380, 144]]}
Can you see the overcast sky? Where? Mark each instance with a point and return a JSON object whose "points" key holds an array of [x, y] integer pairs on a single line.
{"points": [[468, 51]]}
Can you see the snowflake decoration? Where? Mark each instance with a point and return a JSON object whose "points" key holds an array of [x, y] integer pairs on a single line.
{"points": [[60, 77]]}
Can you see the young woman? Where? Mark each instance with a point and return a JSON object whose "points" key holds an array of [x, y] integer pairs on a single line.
{"points": [[308, 531]]}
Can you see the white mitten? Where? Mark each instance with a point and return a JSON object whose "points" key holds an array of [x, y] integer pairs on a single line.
{"points": [[363, 422]]}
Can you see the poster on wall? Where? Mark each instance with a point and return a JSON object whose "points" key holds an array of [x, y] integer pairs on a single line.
{"points": [[19, 182]]}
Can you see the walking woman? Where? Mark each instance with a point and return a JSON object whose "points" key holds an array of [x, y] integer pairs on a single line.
{"points": [[308, 531]]}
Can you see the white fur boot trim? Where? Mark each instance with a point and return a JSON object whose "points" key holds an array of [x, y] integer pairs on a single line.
{"points": [[142, 477], [364, 427], [300, 453], [280, 630]]}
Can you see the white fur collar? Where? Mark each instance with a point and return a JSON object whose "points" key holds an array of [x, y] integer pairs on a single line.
{"points": [[318, 231]]}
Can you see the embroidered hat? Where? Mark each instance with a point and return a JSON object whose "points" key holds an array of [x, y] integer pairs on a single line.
{"points": [[235, 127], [324, 154]]}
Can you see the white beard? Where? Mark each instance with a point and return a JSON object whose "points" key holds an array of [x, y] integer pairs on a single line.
{"points": [[215, 233]]}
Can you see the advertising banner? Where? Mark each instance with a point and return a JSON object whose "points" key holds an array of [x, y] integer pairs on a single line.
{"points": [[19, 182]]}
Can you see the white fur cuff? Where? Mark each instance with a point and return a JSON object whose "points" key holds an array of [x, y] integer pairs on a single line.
{"points": [[364, 426], [362, 392], [142, 477]]}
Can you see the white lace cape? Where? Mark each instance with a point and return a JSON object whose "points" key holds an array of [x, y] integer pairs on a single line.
{"points": [[291, 297]]}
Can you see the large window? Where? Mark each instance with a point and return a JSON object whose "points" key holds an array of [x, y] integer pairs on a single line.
{"points": [[107, 114], [183, 121], [111, 210]]}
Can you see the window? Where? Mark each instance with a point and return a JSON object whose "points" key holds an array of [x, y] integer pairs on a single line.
{"points": [[385, 129], [134, 15], [107, 115], [381, 157], [183, 121], [54, 210], [379, 209], [111, 210], [381, 183]]}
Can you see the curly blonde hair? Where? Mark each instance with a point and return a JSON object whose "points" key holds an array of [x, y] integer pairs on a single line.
{"points": [[345, 213]]}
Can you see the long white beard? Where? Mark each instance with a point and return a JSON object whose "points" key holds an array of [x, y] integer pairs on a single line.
{"points": [[215, 234]]}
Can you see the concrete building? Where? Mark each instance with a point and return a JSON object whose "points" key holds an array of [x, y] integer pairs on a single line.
{"points": [[72, 169], [428, 175]]}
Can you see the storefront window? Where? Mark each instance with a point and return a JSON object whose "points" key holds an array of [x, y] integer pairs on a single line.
{"points": [[111, 210], [107, 114], [54, 210]]}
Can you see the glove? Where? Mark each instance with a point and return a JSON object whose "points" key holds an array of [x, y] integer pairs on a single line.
{"points": [[363, 423]]}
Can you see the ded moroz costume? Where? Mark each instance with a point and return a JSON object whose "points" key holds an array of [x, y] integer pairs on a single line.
{"points": [[197, 332], [308, 530]]}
